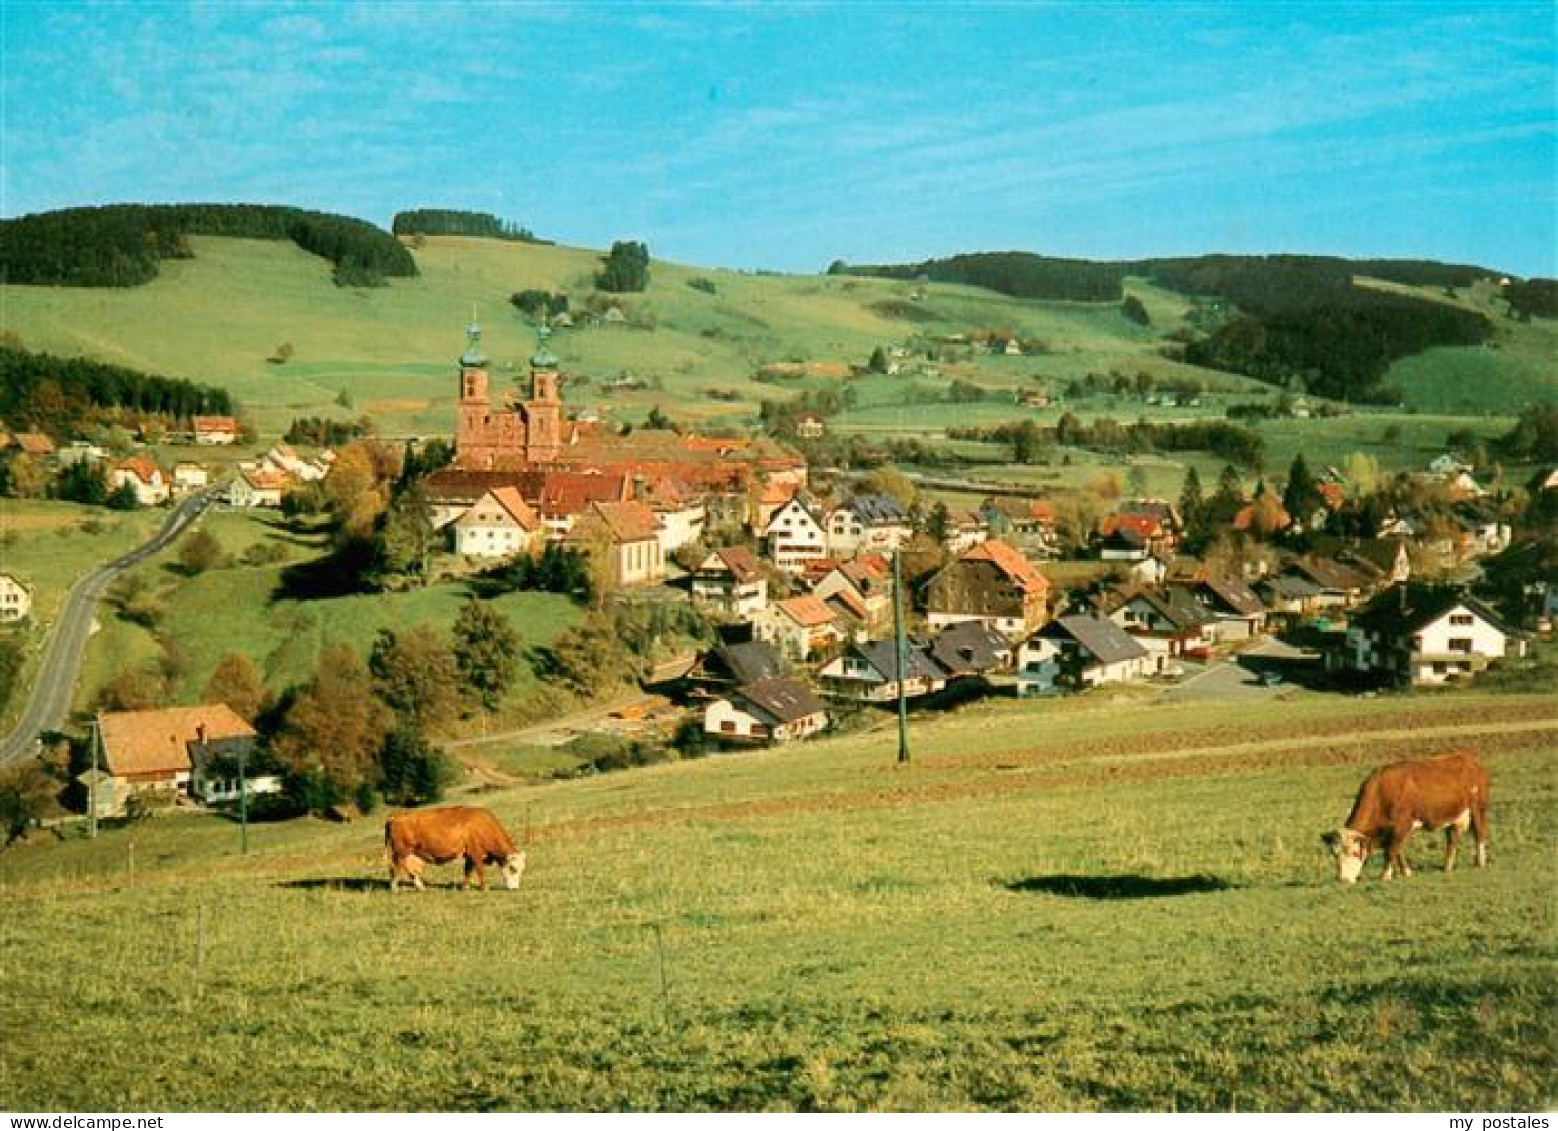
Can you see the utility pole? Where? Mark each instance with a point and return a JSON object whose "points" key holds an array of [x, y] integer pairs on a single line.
{"points": [[243, 794], [92, 787], [903, 660]]}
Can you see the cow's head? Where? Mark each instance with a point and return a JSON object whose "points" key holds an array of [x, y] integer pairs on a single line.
{"points": [[1351, 850], [513, 868]]}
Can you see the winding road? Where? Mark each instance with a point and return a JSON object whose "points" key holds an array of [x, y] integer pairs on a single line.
{"points": [[62, 656]]}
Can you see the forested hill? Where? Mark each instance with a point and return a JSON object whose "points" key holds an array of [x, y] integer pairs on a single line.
{"points": [[1298, 319], [120, 245], [456, 222]]}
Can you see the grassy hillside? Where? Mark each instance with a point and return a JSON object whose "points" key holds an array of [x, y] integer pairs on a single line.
{"points": [[1131, 912], [390, 352], [249, 609], [219, 316]]}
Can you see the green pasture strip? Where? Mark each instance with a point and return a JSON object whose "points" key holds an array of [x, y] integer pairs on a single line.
{"points": [[1166, 944]]}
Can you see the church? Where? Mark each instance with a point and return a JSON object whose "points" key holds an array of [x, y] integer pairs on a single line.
{"points": [[524, 435]]}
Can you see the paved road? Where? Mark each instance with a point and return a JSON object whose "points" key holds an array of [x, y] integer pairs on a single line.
{"points": [[62, 656], [1240, 679]]}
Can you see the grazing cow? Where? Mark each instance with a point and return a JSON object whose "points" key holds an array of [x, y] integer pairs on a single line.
{"points": [[1448, 792], [412, 840]]}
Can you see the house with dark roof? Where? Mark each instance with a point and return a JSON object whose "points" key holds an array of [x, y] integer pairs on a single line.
{"points": [[870, 673], [730, 581], [992, 582], [1338, 586], [1289, 595], [1166, 622], [1421, 635], [971, 648], [766, 712], [725, 667], [1237, 612], [1082, 651], [866, 524]]}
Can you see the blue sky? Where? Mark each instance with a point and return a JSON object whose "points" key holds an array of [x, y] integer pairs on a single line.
{"points": [[785, 136]]}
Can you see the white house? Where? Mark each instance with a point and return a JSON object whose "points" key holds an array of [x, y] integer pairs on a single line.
{"points": [[145, 478], [866, 524], [189, 477], [800, 627], [730, 581], [1424, 635], [258, 487], [1084, 651], [766, 711], [215, 429], [795, 536], [870, 673], [15, 599], [498, 525]]}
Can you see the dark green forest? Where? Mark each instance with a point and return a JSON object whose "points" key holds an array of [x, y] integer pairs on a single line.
{"points": [[122, 245], [1299, 320], [55, 394], [453, 222], [1532, 298]]}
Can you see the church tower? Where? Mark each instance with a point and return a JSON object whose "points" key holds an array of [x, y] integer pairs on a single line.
{"points": [[544, 412], [475, 411]]}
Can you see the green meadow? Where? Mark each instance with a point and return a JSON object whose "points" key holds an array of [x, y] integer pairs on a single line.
{"points": [[1096, 904], [251, 610]]}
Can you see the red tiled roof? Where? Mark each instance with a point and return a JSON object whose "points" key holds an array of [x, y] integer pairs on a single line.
{"points": [[808, 611], [627, 522], [143, 468], [511, 501], [157, 742], [214, 424], [1011, 562], [741, 562], [34, 443], [1143, 526]]}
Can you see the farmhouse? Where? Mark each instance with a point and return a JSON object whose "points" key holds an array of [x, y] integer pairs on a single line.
{"points": [[1422, 635], [144, 477], [215, 430], [500, 524], [15, 599], [991, 582], [158, 751], [258, 487], [767, 711]]}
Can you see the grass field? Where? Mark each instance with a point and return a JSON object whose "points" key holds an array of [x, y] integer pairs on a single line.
{"points": [[247, 609], [1091, 904]]}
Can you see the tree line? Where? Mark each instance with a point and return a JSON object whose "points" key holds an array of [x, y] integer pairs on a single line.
{"points": [[1299, 317], [57, 394], [455, 222], [1030, 440], [121, 245]]}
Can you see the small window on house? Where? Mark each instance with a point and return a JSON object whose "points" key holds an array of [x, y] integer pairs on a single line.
{"points": [[727, 727], [1461, 619], [1460, 644]]}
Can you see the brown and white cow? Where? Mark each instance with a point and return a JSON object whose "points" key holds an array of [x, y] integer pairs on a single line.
{"points": [[415, 839], [1448, 792]]}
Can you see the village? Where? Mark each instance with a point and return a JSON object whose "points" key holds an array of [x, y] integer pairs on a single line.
{"points": [[829, 595]]}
